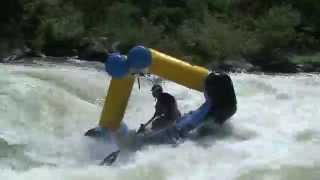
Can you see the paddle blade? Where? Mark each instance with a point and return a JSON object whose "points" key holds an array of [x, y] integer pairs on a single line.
{"points": [[110, 159]]}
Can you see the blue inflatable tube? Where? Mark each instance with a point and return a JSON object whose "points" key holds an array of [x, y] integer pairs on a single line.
{"points": [[194, 119], [117, 66]]}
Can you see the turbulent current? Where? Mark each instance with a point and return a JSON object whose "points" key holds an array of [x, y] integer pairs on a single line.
{"points": [[46, 108]]}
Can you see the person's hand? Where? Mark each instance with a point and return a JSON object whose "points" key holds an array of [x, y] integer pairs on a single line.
{"points": [[141, 129]]}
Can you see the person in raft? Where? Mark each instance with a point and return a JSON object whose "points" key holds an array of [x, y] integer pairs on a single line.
{"points": [[166, 110], [220, 104]]}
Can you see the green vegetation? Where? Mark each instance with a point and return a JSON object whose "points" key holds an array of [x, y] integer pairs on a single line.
{"points": [[311, 59], [200, 31]]}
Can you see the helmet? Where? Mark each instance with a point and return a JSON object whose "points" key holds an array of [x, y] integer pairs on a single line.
{"points": [[156, 88]]}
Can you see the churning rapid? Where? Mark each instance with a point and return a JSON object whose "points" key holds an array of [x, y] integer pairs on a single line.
{"points": [[45, 109]]}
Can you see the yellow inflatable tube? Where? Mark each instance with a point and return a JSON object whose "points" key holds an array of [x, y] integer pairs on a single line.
{"points": [[116, 102], [178, 71]]}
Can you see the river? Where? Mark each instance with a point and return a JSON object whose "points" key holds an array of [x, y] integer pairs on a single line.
{"points": [[45, 108]]}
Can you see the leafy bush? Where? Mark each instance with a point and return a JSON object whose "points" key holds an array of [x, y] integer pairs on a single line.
{"points": [[276, 29], [310, 10], [66, 26], [201, 31], [224, 6], [212, 39], [309, 59]]}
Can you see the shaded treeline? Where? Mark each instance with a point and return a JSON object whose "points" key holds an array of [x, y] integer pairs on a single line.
{"points": [[196, 30]]}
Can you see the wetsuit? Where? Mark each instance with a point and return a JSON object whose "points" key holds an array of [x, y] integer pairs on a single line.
{"points": [[166, 110]]}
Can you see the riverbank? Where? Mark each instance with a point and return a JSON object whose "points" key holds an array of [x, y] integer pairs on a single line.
{"points": [[289, 64]]}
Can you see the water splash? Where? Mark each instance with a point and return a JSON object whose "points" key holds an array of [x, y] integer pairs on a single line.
{"points": [[44, 111]]}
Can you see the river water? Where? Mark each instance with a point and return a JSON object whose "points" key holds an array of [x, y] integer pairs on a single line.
{"points": [[46, 108]]}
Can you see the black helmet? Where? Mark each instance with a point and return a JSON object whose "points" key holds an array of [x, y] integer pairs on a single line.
{"points": [[156, 88]]}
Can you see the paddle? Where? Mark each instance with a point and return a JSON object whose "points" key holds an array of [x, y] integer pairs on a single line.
{"points": [[99, 132], [143, 126], [110, 159]]}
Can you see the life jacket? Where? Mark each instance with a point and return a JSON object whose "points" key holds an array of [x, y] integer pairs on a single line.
{"points": [[219, 89]]}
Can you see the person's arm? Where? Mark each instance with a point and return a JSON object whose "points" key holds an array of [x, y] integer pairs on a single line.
{"points": [[143, 126], [158, 113]]}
